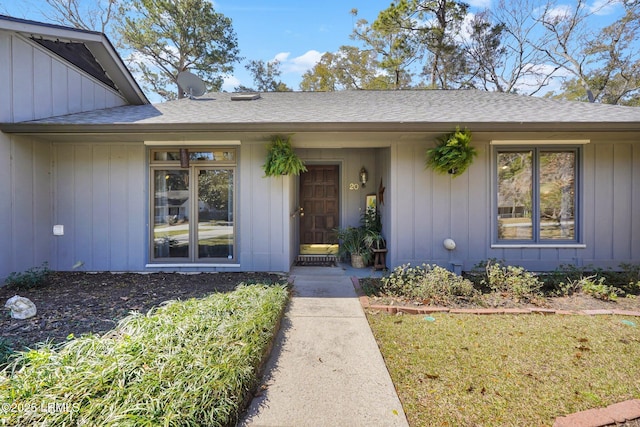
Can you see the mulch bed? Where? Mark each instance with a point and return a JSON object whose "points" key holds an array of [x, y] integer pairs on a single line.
{"points": [[79, 302]]}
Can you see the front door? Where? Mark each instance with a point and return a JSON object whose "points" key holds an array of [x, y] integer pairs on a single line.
{"points": [[319, 206]]}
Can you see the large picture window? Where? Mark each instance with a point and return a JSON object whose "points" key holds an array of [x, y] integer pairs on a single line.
{"points": [[537, 195], [192, 206]]}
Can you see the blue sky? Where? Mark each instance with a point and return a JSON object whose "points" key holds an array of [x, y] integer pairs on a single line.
{"points": [[295, 32]]}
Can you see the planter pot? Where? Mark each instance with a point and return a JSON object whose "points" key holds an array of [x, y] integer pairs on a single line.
{"points": [[357, 261]]}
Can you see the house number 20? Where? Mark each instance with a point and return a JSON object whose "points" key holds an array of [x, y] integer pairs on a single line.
{"points": [[354, 186]]}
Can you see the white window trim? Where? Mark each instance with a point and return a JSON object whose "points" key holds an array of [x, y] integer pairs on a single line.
{"points": [[538, 246], [186, 265], [179, 144], [536, 142]]}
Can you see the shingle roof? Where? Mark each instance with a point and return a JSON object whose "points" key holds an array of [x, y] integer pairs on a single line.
{"points": [[358, 110]]}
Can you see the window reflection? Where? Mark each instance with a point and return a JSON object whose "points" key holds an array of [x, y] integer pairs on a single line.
{"points": [[536, 194], [171, 213], [557, 195], [215, 213], [514, 195]]}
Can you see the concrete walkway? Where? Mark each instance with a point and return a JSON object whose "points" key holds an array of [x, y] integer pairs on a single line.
{"points": [[325, 368]]}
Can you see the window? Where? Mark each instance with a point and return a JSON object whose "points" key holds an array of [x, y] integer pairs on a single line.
{"points": [[536, 199], [193, 207]]}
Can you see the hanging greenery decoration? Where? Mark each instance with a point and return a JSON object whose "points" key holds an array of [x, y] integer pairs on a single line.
{"points": [[281, 159], [453, 154]]}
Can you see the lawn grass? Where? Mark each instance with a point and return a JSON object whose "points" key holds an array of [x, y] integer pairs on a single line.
{"points": [[186, 363], [507, 370]]}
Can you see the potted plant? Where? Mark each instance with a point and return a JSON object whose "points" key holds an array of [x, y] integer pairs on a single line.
{"points": [[373, 227], [453, 154], [353, 242], [281, 159]]}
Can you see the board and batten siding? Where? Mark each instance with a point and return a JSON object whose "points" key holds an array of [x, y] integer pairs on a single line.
{"points": [[263, 213], [25, 192], [428, 208], [100, 198], [35, 84]]}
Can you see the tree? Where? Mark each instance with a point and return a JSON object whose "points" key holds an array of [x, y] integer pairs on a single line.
{"points": [[348, 69], [265, 76], [485, 53], [443, 20], [170, 36], [614, 59], [520, 66], [572, 46], [395, 47], [432, 27], [500, 53], [97, 15]]}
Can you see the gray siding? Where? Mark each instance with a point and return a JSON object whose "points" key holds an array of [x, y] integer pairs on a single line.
{"points": [[427, 208], [263, 213], [100, 197], [99, 192], [25, 191], [36, 84]]}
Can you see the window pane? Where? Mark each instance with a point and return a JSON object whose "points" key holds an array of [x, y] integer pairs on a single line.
{"points": [[226, 155], [215, 213], [515, 195], [557, 195], [166, 156], [171, 214]]}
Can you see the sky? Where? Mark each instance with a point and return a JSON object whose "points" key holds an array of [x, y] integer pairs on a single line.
{"points": [[295, 32]]}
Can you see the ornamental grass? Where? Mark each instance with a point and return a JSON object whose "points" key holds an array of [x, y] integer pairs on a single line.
{"points": [[185, 363]]}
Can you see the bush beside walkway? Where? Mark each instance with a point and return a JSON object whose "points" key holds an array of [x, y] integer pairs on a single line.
{"points": [[184, 363]]}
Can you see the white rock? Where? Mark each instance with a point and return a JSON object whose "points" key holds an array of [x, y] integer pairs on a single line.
{"points": [[21, 307]]}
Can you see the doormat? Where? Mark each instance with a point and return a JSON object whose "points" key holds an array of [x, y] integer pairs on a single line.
{"points": [[317, 260]]}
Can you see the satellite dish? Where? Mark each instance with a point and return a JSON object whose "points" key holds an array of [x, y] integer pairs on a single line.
{"points": [[191, 84]]}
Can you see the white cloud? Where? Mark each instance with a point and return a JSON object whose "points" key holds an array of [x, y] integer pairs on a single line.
{"points": [[298, 64], [559, 12], [536, 74], [481, 4], [602, 7], [230, 83], [282, 57]]}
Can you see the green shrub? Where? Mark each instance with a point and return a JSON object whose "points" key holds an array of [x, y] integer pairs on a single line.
{"points": [[31, 278], [429, 283], [567, 279], [6, 351], [513, 281], [185, 363], [630, 278], [370, 286], [596, 288]]}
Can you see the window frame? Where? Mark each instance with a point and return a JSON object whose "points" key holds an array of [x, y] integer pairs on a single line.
{"points": [[536, 241], [195, 165]]}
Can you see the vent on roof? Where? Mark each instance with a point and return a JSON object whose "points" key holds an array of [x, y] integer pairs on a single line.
{"points": [[245, 96]]}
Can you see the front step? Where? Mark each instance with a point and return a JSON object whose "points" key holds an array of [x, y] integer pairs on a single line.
{"points": [[317, 260]]}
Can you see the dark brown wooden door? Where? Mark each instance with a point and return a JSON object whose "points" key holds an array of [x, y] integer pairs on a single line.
{"points": [[319, 204]]}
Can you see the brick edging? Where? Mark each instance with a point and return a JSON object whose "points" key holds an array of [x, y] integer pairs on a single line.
{"points": [[598, 417], [612, 414]]}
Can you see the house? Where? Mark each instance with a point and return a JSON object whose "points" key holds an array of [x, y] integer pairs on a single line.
{"points": [[93, 173]]}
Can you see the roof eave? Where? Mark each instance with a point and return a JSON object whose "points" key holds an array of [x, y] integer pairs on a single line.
{"points": [[99, 45], [138, 128], [112, 63]]}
